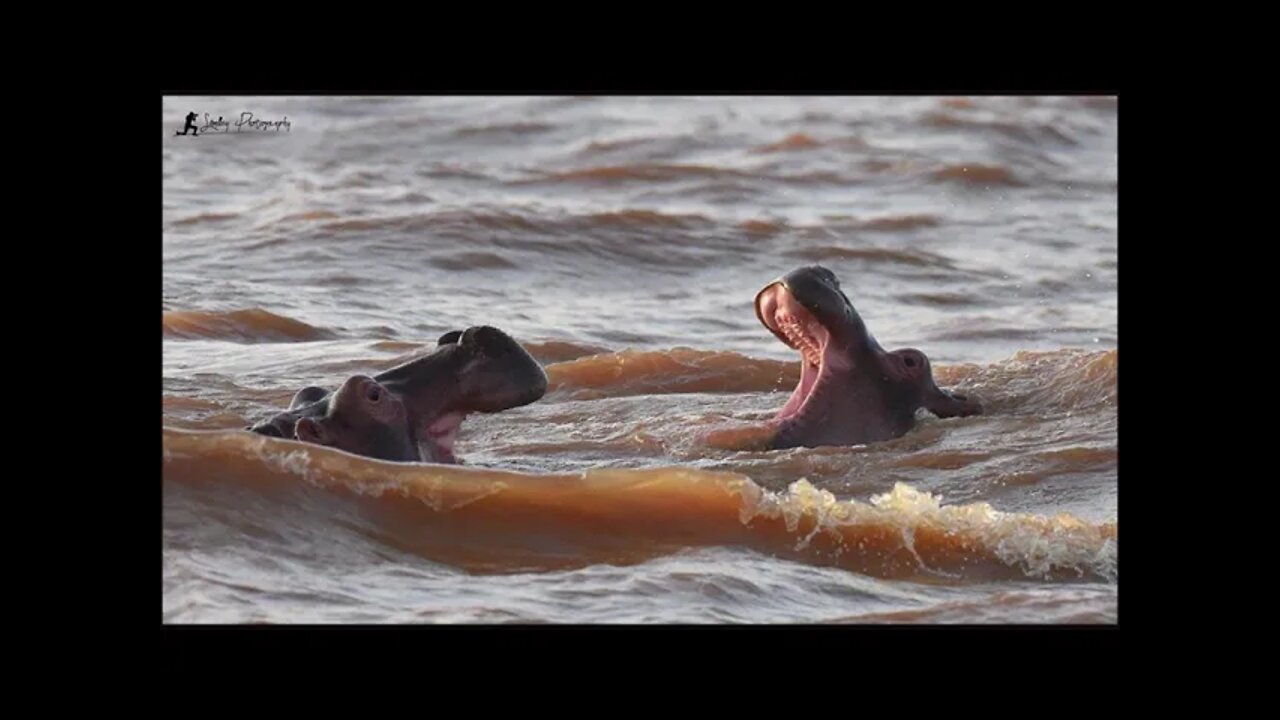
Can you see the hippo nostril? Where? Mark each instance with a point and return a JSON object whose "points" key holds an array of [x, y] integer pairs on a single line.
{"points": [[910, 361], [374, 393]]}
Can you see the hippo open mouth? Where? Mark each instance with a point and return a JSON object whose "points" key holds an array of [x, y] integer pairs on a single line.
{"points": [[820, 363], [851, 391], [437, 439]]}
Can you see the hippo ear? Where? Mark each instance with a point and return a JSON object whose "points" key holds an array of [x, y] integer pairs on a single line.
{"points": [[909, 365], [449, 338], [946, 404], [306, 396], [308, 430]]}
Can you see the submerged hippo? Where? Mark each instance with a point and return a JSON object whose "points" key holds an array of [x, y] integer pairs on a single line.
{"points": [[851, 391], [412, 412]]}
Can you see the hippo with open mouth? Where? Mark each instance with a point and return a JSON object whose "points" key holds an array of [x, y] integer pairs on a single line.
{"points": [[851, 390], [412, 412]]}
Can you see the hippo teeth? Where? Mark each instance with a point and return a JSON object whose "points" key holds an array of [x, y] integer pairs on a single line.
{"points": [[794, 329]]}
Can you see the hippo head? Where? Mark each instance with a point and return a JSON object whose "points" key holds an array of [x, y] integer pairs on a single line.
{"points": [[480, 369], [851, 391]]}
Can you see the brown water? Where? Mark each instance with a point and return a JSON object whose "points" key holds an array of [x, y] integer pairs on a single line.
{"points": [[622, 240]]}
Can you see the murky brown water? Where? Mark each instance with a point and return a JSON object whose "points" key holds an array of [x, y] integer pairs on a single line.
{"points": [[623, 240]]}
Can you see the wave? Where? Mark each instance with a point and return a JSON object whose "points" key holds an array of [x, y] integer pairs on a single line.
{"points": [[516, 128], [501, 521], [1039, 605], [803, 141], [977, 174], [1055, 380], [762, 227], [647, 218], [246, 326], [558, 351], [901, 222], [310, 215], [939, 299], [1028, 133], [652, 172], [515, 220], [472, 261], [203, 218], [679, 370], [791, 143], [914, 258]]}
